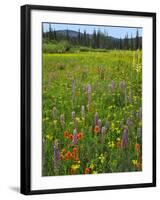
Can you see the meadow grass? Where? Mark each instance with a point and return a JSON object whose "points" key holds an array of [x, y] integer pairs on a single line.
{"points": [[92, 107]]}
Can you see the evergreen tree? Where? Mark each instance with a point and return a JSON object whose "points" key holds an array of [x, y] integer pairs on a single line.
{"points": [[79, 37], [98, 39], [126, 42], [137, 39], [120, 43], [50, 32], [88, 41], [94, 39], [67, 35], [131, 43], [54, 35], [106, 41], [84, 38]]}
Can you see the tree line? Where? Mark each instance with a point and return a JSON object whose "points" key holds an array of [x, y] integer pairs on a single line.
{"points": [[96, 40]]}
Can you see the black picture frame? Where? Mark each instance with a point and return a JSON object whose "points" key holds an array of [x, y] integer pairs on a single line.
{"points": [[26, 98]]}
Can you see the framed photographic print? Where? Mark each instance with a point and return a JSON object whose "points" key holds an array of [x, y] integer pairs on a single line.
{"points": [[88, 99]]}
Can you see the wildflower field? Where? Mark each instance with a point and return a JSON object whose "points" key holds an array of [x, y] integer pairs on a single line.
{"points": [[92, 112]]}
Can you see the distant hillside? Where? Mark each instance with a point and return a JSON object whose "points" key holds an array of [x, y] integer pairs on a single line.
{"points": [[71, 33], [95, 40]]}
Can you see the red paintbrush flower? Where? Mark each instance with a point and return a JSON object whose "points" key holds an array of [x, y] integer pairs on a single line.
{"points": [[75, 150], [96, 129], [70, 136], [79, 136], [68, 155], [66, 134], [87, 170], [137, 147]]}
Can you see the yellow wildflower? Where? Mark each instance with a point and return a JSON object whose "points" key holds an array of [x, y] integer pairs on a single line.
{"points": [[111, 144], [101, 158], [45, 119], [75, 167], [78, 119], [54, 122], [49, 137], [135, 162], [135, 98], [91, 166], [112, 126], [140, 123], [118, 139], [83, 119]]}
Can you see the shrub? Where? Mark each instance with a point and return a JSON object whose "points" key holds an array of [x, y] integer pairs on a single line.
{"points": [[60, 47]]}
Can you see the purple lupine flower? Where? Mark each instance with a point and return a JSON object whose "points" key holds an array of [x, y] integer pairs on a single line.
{"points": [[62, 119], [75, 139], [74, 119], [129, 122], [139, 132], [43, 151], [121, 124], [124, 138], [100, 123], [73, 89], [89, 88], [84, 89], [103, 130], [125, 96], [54, 112], [139, 113], [107, 124], [57, 155], [133, 113], [130, 97], [73, 115], [83, 111], [122, 85], [89, 92], [112, 86], [96, 117]]}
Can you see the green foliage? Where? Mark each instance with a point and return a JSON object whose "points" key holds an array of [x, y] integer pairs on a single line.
{"points": [[84, 49], [64, 47], [58, 47]]}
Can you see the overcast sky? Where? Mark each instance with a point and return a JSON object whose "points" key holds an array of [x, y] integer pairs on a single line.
{"points": [[118, 32]]}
